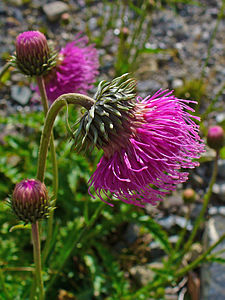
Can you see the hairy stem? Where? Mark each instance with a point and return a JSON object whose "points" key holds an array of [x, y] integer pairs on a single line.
{"points": [[37, 260], [76, 99], [44, 100]]}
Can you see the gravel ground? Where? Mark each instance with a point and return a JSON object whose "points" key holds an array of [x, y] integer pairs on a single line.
{"points": [[183, 32]]}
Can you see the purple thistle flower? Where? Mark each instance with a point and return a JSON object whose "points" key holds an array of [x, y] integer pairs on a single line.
{"points": [[75, 70], [143, 157]]}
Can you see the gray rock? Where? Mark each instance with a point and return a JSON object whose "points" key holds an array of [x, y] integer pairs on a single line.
{"points": [[20, 94], [177, 83], [172, 220], [143, 273], [221, 168], [148, 85], [55, 9], [131, 233], [219, 190], [216, 210], [213, 274]]}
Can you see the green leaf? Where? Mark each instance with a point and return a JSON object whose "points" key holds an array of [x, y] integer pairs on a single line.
{"points": [[219, 260]]}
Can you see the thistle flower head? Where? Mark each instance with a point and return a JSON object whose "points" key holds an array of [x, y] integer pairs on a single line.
{"points": [[107, 119], [75, 69], [30, 200], [33, 55], [215, 137], [146, 142]]}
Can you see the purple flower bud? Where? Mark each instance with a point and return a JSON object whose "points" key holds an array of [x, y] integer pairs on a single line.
{"points": [[30, 200], [215, 137], [33, 55]]}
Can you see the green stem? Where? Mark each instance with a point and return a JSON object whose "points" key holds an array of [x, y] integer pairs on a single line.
{"points": [[205, 205], [37, 260], [44, 100], [57, 105]]}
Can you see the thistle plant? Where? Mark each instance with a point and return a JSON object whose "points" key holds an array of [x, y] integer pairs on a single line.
{"points": [[147, 143]]}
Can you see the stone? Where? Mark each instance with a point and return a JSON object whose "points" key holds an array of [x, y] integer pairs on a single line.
{"points": [[144, 273], [55, 9], [213, 274], [221, 168], [219, 190], [131, 233], [20, 94], [174, 220], [177, 83]]}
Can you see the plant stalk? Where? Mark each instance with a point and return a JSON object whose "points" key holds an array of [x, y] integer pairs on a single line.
{"points": [[37, 259], [57, 105], [44, 100]]}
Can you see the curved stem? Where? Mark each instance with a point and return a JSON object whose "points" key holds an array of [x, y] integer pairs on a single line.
{"points": [[37, 260], [205, 204], [44, 100], [58, 104]]}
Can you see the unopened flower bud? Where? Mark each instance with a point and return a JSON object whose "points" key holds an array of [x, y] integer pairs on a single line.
{"points": [[215, 137], [65, 19], [33, 55], [30, 200], [189, 196]]}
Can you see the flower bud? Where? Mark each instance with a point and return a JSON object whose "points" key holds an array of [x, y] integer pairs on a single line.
{"points": [[33, 55], [215, 137], [30, 200], [189, 196]]}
